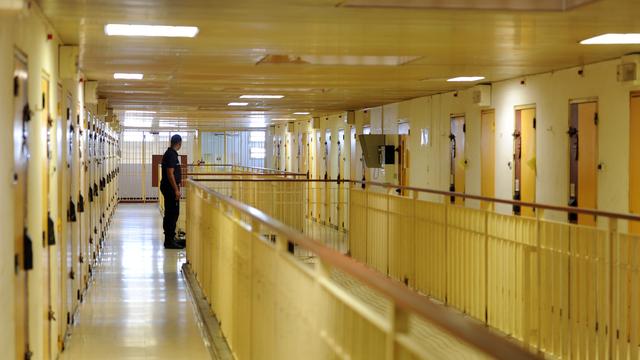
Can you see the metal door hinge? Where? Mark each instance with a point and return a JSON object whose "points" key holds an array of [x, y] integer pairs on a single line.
{"points": [[596, 120], [534, 123]]}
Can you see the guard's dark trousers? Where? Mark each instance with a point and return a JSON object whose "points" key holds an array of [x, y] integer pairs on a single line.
{"points": [[171, 213]]}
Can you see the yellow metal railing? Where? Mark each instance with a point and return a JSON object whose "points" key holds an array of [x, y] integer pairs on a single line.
{"points": [[567, 290], [271, 305]]}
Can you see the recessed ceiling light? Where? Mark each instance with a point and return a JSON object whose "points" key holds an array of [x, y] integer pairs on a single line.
{"points": [[465, 78], [128, 76], [613, 39], [301, 113], [238, 104], [139, 112], [261, 96], [150, 30]]}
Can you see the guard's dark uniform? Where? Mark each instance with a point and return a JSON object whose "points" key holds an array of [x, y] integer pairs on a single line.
{"points": [[170, 160]]}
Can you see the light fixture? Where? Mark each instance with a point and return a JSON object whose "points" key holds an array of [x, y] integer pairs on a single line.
{"points": [[128, 76], [150, 30], [261, 96], [141, 112], [301, 113], [238, 104], [613, 39], [465, 78]]}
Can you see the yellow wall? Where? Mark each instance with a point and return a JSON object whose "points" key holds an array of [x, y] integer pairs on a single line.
{"points": [[7, 336]]}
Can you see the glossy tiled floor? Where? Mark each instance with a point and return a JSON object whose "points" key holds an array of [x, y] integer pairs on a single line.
{"points": [[138, 306]]}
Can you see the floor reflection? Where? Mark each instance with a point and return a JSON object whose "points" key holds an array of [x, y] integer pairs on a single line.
{"points": [[137, 306]]}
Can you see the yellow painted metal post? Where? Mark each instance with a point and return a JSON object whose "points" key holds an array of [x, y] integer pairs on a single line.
{"points": [[613, 233], [445, 200]]}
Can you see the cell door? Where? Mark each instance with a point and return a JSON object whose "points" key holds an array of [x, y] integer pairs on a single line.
{"points": [[22, 242], [300, 156], [352, 153], [72, 216], [634, 160], [326, 194], [524, 183], [583, 160], [457, 158], [488, 155], [319, 175], [46, 253], [342, 159], [403, 156]]}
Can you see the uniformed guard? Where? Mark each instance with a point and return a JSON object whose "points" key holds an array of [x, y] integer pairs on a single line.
{"points": [[170, 188]]}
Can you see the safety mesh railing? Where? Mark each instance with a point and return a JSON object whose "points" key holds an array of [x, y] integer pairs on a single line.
{"points": [[272, 305], [567, 290]]}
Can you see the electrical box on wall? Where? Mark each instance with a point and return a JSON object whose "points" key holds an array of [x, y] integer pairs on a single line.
{"points": [[481, 95], [68, 62], [91, 92], [351, 118], [629, 69]]}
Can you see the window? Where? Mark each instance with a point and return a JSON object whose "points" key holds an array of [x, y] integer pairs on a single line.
{"points": [[257, 153], [424, 136], [257, 136]]}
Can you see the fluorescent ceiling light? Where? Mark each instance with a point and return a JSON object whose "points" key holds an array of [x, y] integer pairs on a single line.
{"points": [[465, 78], [301, 113], [128, 76], [613, 39], [238, 104], [261, 96], [137, 123], [150, 30], [139, 112]]}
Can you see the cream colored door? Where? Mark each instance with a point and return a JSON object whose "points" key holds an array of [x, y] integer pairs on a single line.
{"points": [[488, 155], [457, 157], [46, 256]]}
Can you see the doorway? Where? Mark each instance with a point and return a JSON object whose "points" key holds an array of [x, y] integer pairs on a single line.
{"points": [[583, 159], [524, 157], [457, 158], [403, 156]]}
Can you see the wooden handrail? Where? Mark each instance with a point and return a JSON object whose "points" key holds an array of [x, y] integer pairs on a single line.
{"points": [[454, 323], [240, 174], [249, 167], [567, 209]]}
